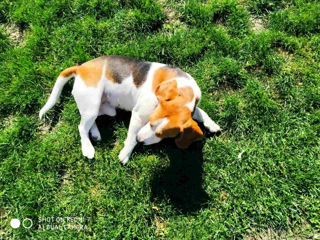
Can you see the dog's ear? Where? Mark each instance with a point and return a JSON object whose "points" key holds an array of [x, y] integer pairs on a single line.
{"points": [[167, 91], [191, 132], [168, 132]]}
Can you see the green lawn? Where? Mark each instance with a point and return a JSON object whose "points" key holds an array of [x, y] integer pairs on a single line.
{"points": [[258, 65]]}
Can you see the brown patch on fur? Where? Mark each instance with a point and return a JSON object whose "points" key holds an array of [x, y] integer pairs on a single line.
{"points": [[160, 75], [67, 72], [186, 93], [191, 133], [180, 122], [117, 68], [172, 101], [164, 74], [91, 72], [120, 67], [140, 72], [167, 90], [109, 75]]}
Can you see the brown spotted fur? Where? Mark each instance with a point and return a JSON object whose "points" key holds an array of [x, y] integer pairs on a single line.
{"points": [[117, 68], [91, 72], [69, 71], [172, 101]]}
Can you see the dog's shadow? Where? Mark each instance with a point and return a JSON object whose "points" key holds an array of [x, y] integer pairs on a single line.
{"points": [[106, 126], [182, 181]]}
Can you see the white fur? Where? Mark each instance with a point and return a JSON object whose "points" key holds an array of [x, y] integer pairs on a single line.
{"points": [[107, 96], [88, 100], [123, 96], [147, 133], [202, 116], [55, 94]]}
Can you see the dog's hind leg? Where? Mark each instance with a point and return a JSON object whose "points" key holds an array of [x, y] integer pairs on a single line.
{"points": [[88, 100], [202, 116], [104, 109]]}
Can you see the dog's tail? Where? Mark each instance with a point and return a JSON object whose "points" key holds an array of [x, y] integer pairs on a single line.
{"points": [[63, 78]]}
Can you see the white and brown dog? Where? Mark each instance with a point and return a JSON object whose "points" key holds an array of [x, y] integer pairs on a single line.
{"points": [[162, 99]]}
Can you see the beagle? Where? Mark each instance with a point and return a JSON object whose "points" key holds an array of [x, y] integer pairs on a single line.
{"points": [[163, 100]]}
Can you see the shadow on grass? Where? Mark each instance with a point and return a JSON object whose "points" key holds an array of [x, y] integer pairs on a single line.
{"points": [[181, 182], [106, 126], [59, 106]]}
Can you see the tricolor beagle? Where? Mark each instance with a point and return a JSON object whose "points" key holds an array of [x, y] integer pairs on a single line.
{"points": [[163, 100]]}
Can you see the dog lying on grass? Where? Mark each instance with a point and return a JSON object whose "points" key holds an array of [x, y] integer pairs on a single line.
{"points": [[163, 100]]}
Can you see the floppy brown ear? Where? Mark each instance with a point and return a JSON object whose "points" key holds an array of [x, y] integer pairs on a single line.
{"points": [[168, 132], [191, 133], [167, 91]]}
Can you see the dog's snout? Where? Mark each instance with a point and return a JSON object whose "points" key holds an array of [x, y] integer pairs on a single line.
{"points": [[137, 138]]}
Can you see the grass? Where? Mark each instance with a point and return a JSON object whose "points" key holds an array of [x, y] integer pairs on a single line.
{"points": [[262, 86]]}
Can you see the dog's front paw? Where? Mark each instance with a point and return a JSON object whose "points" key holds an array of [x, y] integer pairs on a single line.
{"points": [[124, 156], [213, 127], [88, 151]]}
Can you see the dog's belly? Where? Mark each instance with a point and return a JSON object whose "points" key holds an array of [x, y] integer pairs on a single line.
{"points": [[125, 102], [123, 95]]}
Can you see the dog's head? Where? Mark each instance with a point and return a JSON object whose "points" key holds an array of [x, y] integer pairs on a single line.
{"points": [[172, 117]]}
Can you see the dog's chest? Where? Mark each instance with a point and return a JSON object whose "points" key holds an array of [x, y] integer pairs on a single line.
{"points": [[123, 95]]}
